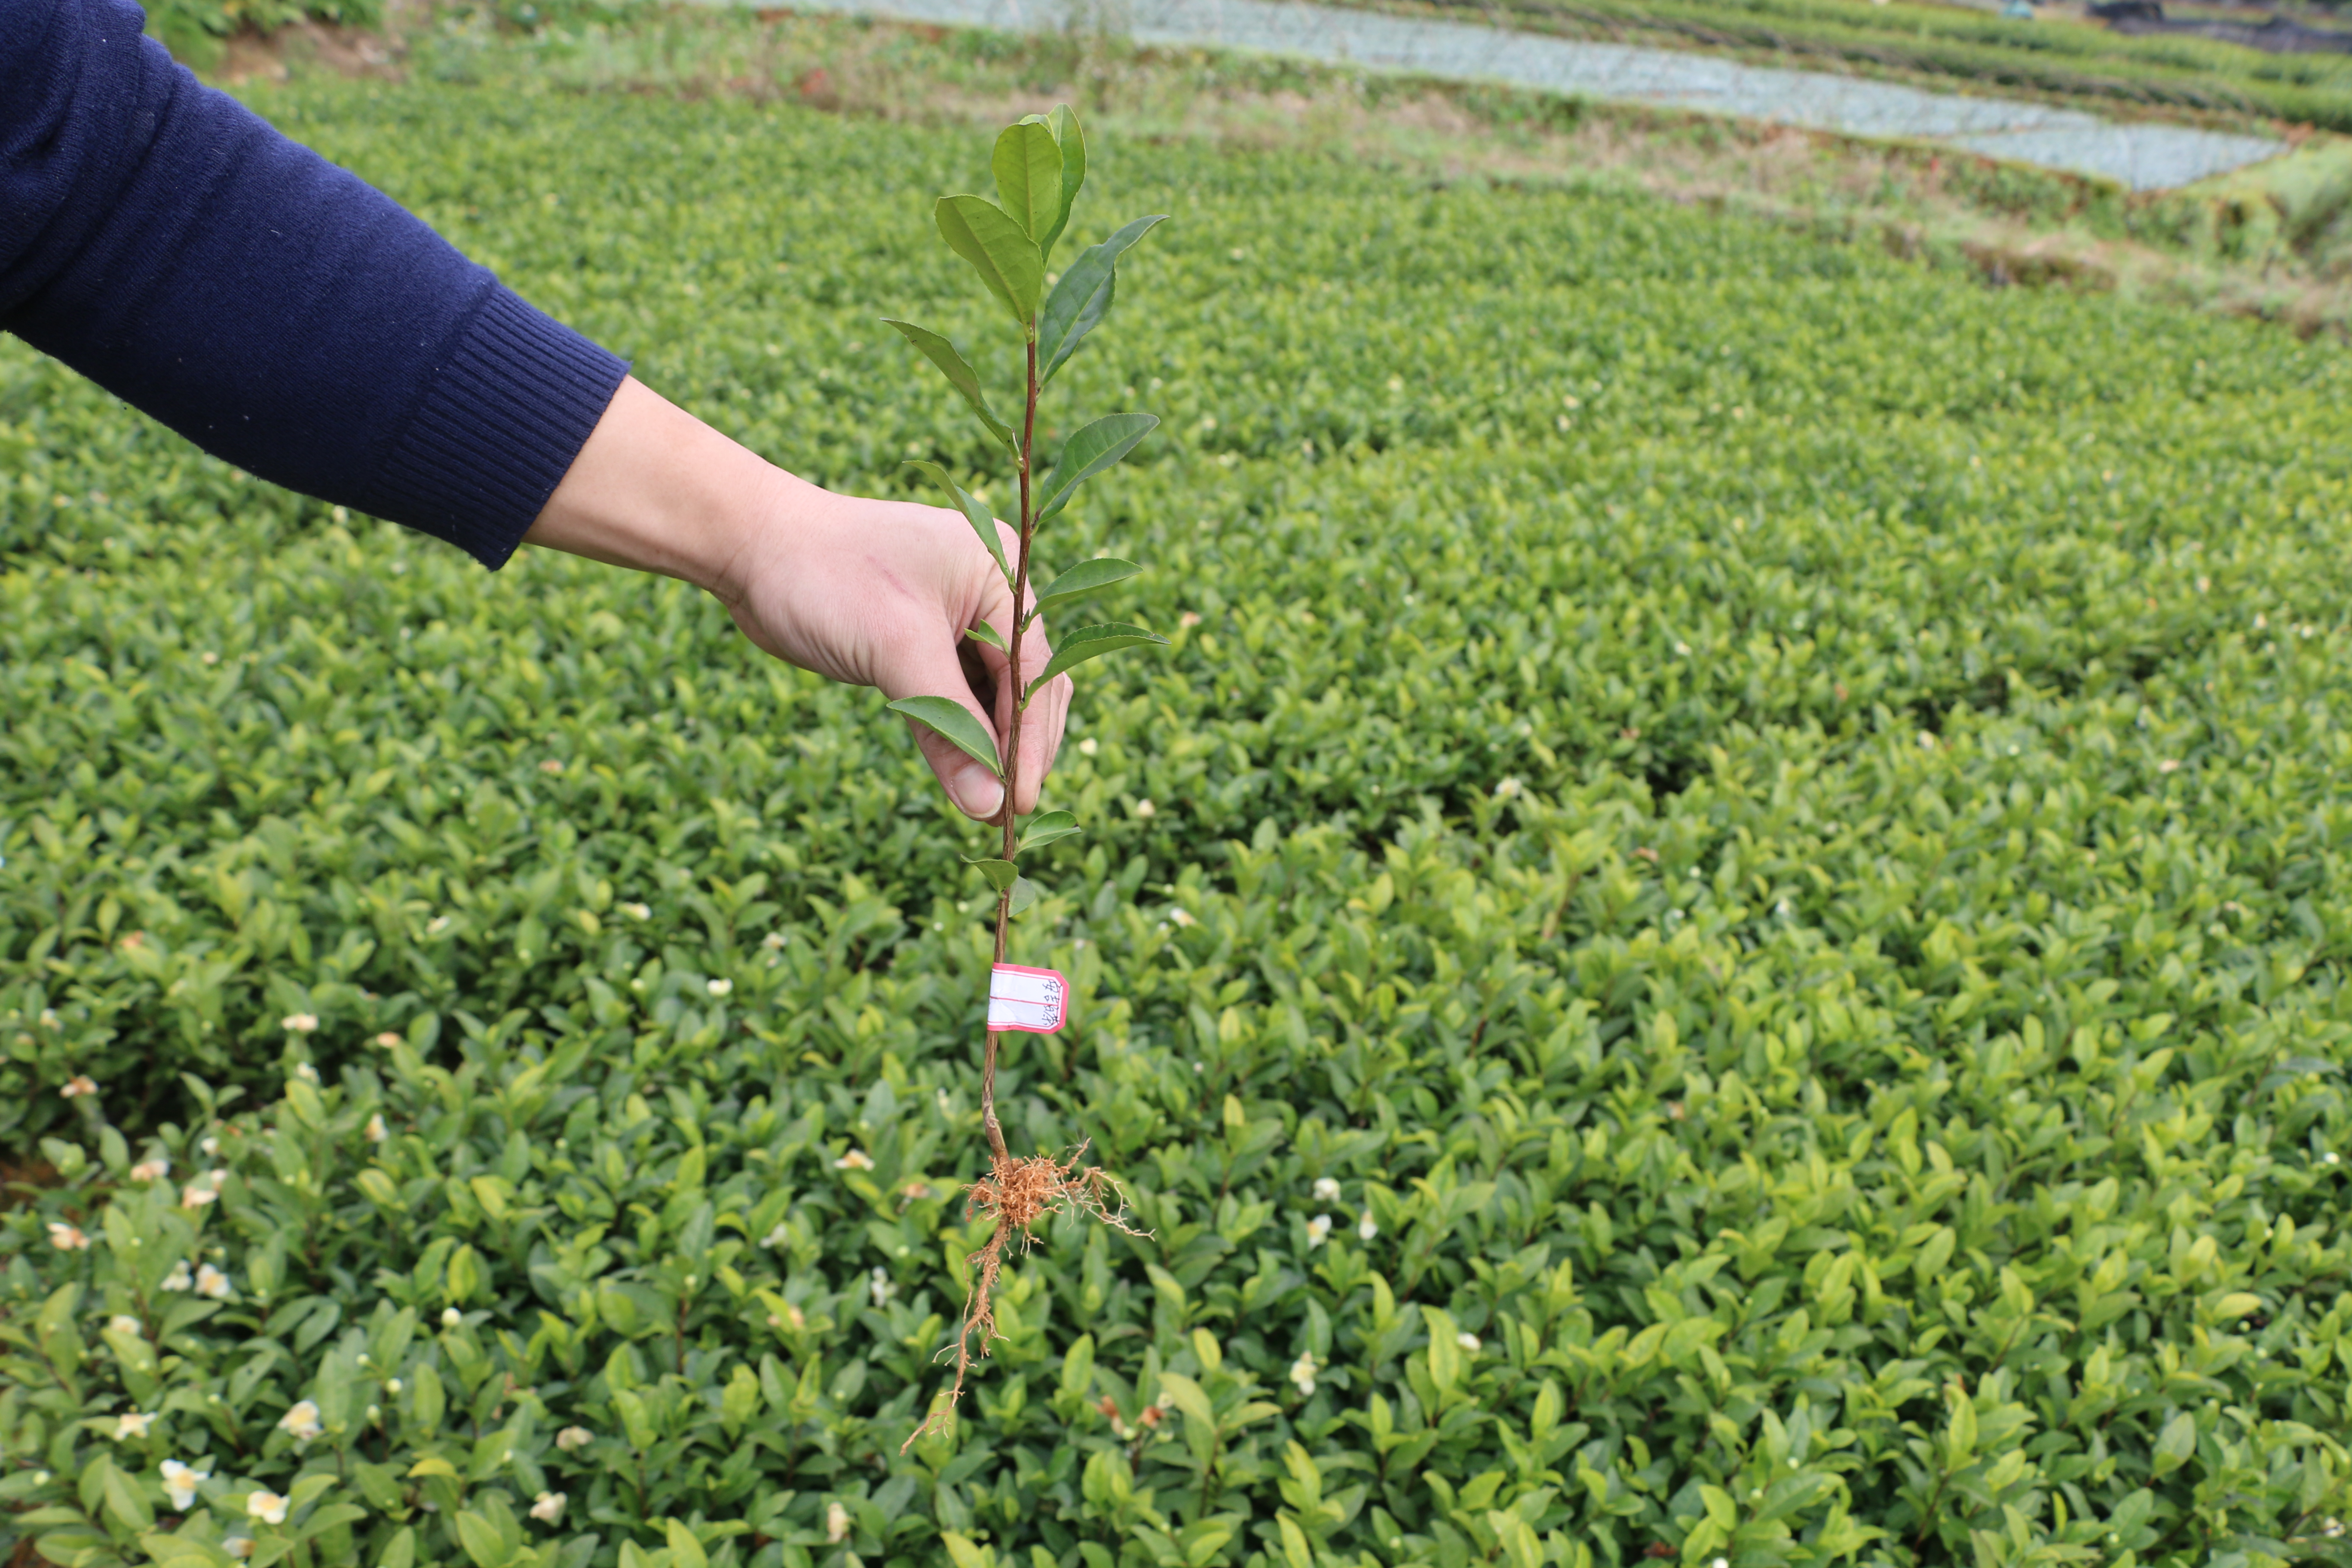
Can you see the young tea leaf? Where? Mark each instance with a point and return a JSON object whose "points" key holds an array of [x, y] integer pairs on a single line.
{"points": [[1063, 125], [1025, 893], [957, 723], [974, 513], [1006, 259], [1000, 873], [987, 633], [1089, 452], [1047, 826], [1028, 167], [959, 375], [1083, 297], [1089, 642], [1085, 578]]}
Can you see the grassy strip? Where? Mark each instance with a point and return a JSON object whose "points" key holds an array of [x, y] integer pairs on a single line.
{"points": [[2059, 57]]}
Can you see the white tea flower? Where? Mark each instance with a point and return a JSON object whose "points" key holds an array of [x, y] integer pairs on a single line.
{"points": [[180, 1482], [836, 1523], [300, 1023], [211, 1281], [719, 987], [153, 1169], [123, 1324], [132, 1424], [301, 1422], [856, 1160], [68, 1237], [1302, 1373], [374, 1132], [548, 1507], [451, 1317], [1365, 1226], [1326, 1190], [267, 1506], [574, 1438], [1317, 1229], [179, 1278]]}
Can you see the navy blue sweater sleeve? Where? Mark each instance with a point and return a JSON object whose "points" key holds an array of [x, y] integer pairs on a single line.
{"points": [[167, 243]]}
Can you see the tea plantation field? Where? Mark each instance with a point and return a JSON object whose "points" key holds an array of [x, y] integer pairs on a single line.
{"points": [[1722, 939]]}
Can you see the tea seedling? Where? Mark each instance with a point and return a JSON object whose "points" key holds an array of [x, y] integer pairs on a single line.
{"points": [[1039, 164]]}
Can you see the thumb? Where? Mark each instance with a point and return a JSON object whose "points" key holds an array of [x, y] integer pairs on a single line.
{"points": [[976, 792]]}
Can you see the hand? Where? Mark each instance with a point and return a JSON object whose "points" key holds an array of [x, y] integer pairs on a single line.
{"points": [[866, 592]]}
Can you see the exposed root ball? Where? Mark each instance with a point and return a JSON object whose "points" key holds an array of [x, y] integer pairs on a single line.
{"points": [[1018, 1192]]}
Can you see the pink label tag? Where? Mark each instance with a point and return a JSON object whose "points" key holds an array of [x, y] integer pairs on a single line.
{"points": [[1034, 1001]]}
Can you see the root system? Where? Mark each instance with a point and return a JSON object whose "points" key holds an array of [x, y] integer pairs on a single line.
{"points": [[1018, 1192]]}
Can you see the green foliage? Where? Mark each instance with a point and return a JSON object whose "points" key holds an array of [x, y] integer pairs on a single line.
{"points": [[1772, 824]]}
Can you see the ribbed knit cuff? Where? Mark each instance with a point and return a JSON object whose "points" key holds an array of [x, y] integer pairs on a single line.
{"points": [[505, 416]]}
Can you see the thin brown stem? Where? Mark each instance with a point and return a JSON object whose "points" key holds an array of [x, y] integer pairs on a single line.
{"points": [[1014, 695]]}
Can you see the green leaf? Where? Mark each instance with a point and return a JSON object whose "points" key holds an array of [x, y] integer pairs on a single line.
{"points": [[1025, 893], [1028, 167], [1089, 642], [1001, 874], [1083, 297], [685, 1546], [428, 1399], [326, 1518], [960, 374], [2175, 1445], [984, 633], [958, 724], [1064, 123], [1961, 1439], [1085, 578], [480, 1538], [1089, 452], [181, 1552], [1445, 1351], [983, 522], [1047, 826], [125, 1504], [1007, 260], [1188, 1398]]}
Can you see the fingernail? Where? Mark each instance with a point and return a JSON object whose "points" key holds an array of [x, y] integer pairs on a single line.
{"points": [[977, 792]]}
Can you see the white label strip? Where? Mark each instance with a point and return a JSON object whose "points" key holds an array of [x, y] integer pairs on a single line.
{"points": [[1033, 1000]]}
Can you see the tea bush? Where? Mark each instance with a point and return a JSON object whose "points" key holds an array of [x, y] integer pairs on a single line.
{"points": [[1721, 937]]}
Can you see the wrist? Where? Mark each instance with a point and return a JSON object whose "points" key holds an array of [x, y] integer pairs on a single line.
{"points": [[657, 489]]}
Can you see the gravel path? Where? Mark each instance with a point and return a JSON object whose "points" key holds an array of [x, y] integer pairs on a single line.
{"points": [[2138, 155]]}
